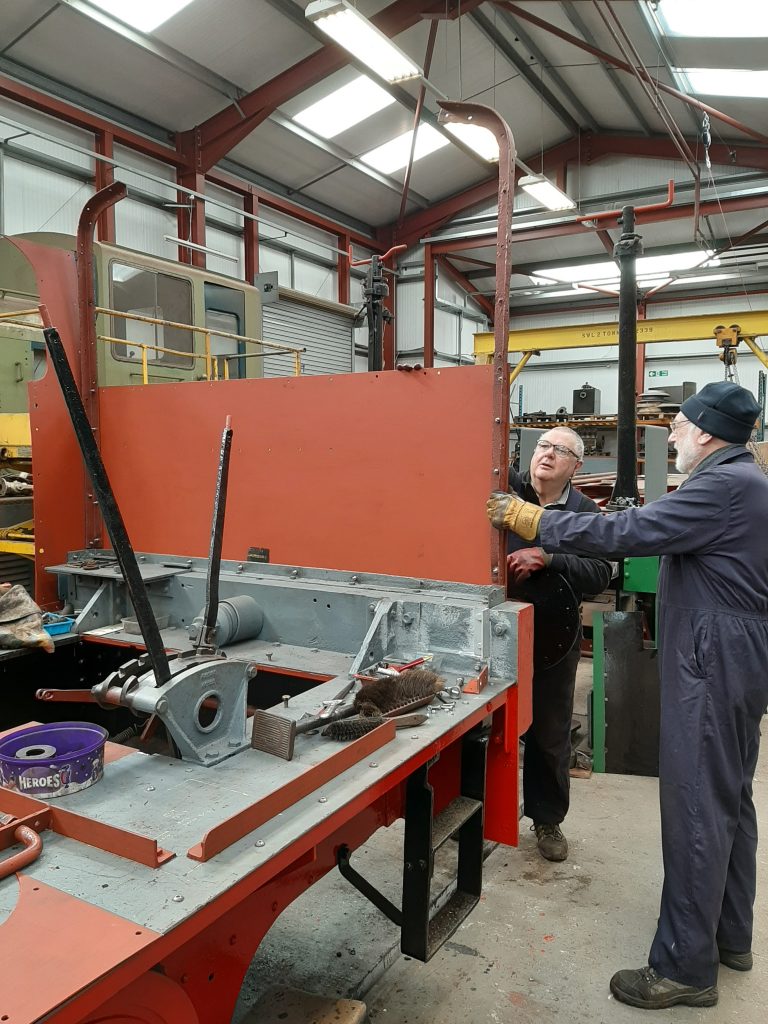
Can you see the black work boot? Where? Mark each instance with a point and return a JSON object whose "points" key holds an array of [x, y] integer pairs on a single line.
{"points": [[551, 842], [736, 961], [647, 989]]}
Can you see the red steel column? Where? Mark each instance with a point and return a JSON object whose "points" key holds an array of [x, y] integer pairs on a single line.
{"points": [[429, 306], [191, 219], [343, 262], [251, 237], [105, 175]]}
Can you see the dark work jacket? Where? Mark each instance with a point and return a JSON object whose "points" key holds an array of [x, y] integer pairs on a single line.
{"points": [[585, 575]]}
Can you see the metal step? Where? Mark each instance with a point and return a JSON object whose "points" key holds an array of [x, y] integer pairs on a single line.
{"points": [[448, 918], [421, 935], [448, 822]]}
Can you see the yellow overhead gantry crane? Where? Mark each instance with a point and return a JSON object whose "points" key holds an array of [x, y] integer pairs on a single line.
{"points": [[744, 327]]}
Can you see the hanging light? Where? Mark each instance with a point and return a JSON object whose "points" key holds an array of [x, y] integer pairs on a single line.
{"points": [[543, 190], [347, 27]]}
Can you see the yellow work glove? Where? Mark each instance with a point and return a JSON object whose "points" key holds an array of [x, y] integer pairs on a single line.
{"points": [[508, 512]]}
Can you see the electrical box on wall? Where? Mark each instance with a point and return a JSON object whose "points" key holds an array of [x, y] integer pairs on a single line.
{"points": [[586, 401], [268, 286]]}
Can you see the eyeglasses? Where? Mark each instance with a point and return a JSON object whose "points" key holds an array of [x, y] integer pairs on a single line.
{"points": [[559, 449], [676, 424]]}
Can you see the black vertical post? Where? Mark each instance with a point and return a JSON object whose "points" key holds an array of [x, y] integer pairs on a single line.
{"points": [[626, 251], [110, 511], [376, 290], [207, 635]]}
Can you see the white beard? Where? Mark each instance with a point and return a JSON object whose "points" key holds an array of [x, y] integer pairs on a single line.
{"points": [[686, 458]]}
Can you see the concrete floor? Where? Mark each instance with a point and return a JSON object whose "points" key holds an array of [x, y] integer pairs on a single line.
{"points": [[543, 942]]}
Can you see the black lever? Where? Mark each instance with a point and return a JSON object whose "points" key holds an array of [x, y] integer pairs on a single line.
{"points": [[207, 636], [108, 506]]}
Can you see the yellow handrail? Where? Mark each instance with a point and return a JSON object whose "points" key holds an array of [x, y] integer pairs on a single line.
{"points": [[211, 361], [199, 330], [21, 312]]}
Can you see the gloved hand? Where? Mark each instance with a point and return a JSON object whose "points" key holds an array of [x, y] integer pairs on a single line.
{"points": [[508, 512], [522, 563]]}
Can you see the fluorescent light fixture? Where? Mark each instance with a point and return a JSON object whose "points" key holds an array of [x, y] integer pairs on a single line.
{"points": [[710, 19], [544, 192], [569, 293], [345, 107], [481, 140], [648, 268], [145, 15], [705, 278], [200, 248], [727, 81], [347, 27], [575, 290], [393, 155]]}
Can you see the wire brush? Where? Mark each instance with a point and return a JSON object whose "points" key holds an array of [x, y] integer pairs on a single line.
{"points": [[394, 692], [353, 728]]}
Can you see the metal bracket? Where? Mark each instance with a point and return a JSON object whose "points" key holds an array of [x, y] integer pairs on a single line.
{"points": [[374, 645], [372, 894], [98, 611]]}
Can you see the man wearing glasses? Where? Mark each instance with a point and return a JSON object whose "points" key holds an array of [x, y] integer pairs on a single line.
{"points": [[546, 761], [713, 665]]}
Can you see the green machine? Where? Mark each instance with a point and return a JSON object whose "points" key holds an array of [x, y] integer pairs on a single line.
{"points": [[624, 702]]}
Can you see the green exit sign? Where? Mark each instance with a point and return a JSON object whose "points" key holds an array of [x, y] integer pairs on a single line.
{"points": [[658, 373]]}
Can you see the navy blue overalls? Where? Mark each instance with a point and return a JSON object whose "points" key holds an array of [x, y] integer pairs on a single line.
{"points": [[713, 651]]}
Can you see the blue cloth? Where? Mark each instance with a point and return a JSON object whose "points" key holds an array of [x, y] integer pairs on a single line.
{"points": [[713, 654]]}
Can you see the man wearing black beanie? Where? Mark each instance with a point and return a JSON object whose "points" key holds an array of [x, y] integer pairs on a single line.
{"points": [[713, 658]]}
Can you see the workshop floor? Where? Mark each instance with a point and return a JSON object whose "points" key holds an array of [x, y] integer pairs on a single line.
{"points": [[543, 942]]}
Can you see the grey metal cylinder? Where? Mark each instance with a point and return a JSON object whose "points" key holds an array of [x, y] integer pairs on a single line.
{"points": [[239, 618], [14, 488]]}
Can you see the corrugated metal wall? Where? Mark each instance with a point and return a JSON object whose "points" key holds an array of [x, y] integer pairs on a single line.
{"points": [[457, 318], [37, 197], [50, 194], [619, 174], [324, 329]]}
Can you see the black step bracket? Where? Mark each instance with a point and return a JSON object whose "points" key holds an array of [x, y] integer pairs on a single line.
{"points": [[421, 935]]}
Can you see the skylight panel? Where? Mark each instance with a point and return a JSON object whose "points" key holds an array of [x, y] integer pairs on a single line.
{"points": [[144, 15], [345, 107], [727, 81], [393, 155], [710, 19]]}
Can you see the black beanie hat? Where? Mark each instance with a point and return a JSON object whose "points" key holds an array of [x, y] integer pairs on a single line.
{"points": [[725, 410]]}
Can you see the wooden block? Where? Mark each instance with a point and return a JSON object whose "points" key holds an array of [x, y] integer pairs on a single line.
{"points": [[291, 1006]]}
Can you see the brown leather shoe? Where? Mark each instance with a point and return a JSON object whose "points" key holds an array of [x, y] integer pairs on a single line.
{"points": [[551, 842], [646, 989]]}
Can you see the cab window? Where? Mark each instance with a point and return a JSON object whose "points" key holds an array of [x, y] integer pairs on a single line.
{"points": [[149, 293]]}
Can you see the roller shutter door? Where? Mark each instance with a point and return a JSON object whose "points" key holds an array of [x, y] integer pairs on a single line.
{"points": [[323, 328]]}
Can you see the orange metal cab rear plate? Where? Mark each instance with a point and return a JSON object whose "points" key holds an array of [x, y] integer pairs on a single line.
{"points": [[378, 472], [36, 974]]}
